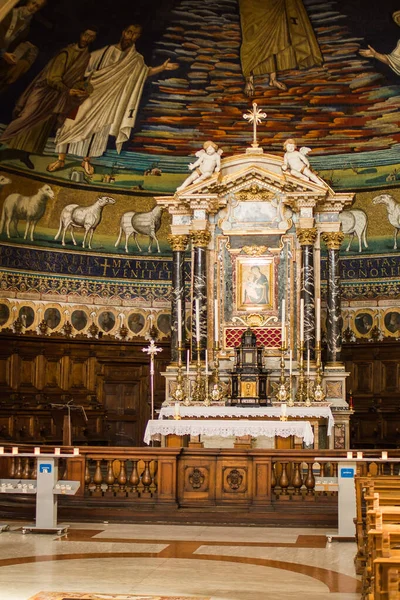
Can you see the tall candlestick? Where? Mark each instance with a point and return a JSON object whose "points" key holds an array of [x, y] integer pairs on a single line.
{"points": [[283, 323], [318, 321], [197, 304], [290, 363], [301, 320], [206, 360], [187, 363], [216, 321], [179, 309], [308, 363]]}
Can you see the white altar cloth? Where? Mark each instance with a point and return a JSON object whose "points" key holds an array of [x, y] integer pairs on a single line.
{"points": [[229, 428], [206, 412]]}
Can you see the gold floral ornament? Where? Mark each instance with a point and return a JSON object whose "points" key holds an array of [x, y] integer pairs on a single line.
{"points": [[254, 192], [307, 237], [254, 250], [178, 243], [200, 239], [333, 239]]}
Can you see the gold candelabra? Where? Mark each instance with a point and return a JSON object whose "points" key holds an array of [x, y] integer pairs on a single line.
{"points": [[199, 391], [301, 395], [318, 393], [179, 394], [216, 393], [283, 393]]}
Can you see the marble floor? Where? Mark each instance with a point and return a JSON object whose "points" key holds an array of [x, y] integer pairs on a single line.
{"points": [[223, 563]]}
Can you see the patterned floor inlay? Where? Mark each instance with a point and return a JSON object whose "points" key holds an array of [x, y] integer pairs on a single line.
{"points": [[96, 596]]}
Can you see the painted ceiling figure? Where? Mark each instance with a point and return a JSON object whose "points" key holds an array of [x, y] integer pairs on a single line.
{"points": [[117, 74], [276, 36], [17, 54], [393, 58], [51, 96]]}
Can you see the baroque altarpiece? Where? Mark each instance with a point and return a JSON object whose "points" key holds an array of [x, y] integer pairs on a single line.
{"points": [[255, 234]]}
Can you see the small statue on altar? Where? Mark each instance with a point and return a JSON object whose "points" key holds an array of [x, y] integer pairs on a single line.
{"points": [[297, 164], [208, 162]]}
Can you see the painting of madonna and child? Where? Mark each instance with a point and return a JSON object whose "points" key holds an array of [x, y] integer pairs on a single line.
{"points": [[254, 284]]}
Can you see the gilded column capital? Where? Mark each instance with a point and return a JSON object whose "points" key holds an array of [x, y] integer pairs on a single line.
{"points": [[178, 243], [333, 239], [201, 239], [307, 237]]}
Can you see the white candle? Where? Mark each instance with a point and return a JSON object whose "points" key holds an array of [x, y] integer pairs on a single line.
{"points": [[76, 451], [349, 455], [301, 320], [57, 451], [384, 455], [187, 363], [216, 321], [290, 363], [283, 409], [283, 323], [177, 409], [179, 309], [36, 451], [197, 305], [308, 363], [318, 321], [15, 450], [359, 454]]}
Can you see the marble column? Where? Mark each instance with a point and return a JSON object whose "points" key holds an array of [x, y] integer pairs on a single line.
{"points": [[333, 242], [178, 244], [307, 239], [200, 241]]}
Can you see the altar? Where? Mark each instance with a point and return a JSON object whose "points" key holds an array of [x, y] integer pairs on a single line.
{"points": [[316, 415], [247, 333], [229, 428]]}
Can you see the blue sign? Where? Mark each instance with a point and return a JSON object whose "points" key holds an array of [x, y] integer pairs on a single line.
{"points": [[43, 468], [347, 473]]}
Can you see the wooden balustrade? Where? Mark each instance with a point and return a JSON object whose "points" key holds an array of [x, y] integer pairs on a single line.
{"points": [[249, 481]]}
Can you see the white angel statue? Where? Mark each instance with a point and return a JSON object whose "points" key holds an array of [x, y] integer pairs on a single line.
{"points": [[208, 162], [297, 164]]}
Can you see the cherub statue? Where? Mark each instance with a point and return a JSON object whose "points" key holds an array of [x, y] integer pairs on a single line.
{"points": [[297, 164], [208, 162]]}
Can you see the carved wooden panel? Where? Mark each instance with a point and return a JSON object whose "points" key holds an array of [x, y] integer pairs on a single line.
{"points": [[52, 372], [363, 380], [233, 477], [3, 372], [196, 478], [27, 371], [390, 376]]}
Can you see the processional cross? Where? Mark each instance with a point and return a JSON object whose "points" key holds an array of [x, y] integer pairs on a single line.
{"points": [[255, 116], [152, 351]]}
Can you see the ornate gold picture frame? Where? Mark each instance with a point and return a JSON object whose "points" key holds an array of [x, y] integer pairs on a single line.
{"points": [[254, 283]]}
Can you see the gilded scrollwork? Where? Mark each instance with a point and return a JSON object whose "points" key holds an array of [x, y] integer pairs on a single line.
{"points": [[254, 250]]}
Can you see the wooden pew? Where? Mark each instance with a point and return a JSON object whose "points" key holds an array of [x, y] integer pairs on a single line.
{"points": [[380, 542], [388, 488], [386, 577]]}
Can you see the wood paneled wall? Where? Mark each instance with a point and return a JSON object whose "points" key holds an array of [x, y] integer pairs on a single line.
{"points": [[374, 383], [110, 379]]}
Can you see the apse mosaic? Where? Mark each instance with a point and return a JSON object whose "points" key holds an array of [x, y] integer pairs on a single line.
{"points": [[100, 115]]}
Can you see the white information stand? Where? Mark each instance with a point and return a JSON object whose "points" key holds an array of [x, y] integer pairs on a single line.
{"points": [[347, 469], [46, 487]]}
